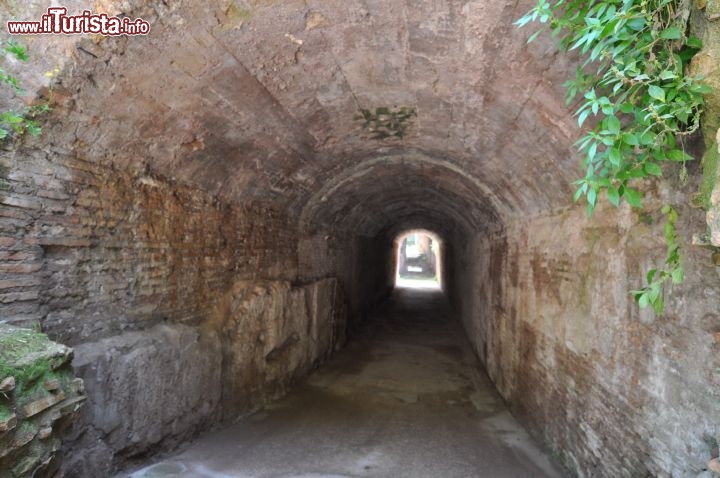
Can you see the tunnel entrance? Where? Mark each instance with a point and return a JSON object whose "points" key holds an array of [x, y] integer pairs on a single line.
{"points": [[418, 260]]}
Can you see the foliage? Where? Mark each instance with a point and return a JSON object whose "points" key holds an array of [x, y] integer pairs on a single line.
{"points": [[31, 358], [636, 98], [17, 122], [5, 411], [385, 122], [710, 174], [4, 184], [651, 294]]}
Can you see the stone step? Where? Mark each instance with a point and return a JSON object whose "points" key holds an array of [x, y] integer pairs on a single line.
{"points": [[71, 405], [33, 408]]}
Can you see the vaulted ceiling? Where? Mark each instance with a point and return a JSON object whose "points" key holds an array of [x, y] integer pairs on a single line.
{"points": [[258, 100]]}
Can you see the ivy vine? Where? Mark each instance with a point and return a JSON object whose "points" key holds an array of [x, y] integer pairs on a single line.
{"points": [[638, 99], [16, 123]]}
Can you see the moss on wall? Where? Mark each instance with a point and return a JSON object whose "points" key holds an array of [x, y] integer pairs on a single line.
{"points": [[38, 399], [709, 178], [704, 25]]}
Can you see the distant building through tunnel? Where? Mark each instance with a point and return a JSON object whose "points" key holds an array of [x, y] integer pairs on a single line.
{"points": [[418, 255]]}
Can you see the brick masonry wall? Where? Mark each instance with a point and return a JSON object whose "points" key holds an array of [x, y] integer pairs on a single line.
{"points": [[361, 265], [89, 252], [610, 389]]}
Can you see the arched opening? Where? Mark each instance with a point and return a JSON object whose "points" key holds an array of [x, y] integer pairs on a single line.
{"points": [[418, 263]]}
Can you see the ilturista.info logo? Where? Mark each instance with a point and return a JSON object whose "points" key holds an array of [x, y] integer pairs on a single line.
{"points": [[57, 21]]}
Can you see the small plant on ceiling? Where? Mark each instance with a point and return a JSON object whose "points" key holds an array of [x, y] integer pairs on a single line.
{"points": [[386, 122]]}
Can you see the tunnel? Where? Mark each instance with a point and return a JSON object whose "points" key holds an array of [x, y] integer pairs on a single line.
{"points": [[206, 234]]}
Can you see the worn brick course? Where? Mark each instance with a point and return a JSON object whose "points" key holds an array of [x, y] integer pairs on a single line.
{"points": [[119, 244]]}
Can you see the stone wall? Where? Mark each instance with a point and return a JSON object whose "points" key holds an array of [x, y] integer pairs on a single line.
{"points": [[156, 388], [273, 333], [363, 266], [88, 251], [167, 295], [704, 25], [611, 389]]}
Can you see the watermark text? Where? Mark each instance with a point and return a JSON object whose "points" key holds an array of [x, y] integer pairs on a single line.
{"points": [[57, 21]]}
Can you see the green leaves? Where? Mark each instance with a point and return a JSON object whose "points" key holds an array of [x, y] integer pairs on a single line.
{"points": [[613, 196], [633, 197], [612, 125], [678, 155], [14, 122], [657, 93], [653, 169], [694, 42], [671, 33], [15, 49], [652, 293], [634, 92], [385, 122]]}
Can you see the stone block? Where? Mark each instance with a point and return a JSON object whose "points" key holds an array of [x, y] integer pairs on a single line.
{"points": [[7, 385], [138, 382], [714, 466], [77, 386], [37, 406], [8, 423], [67, 407]]}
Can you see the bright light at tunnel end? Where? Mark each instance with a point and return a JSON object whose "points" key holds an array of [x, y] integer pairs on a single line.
{"points": [[418, 263]]}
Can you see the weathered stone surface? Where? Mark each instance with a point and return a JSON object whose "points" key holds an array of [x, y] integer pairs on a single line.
{"points": [[8, 423], [705, 64], [274, 334], [567, 347], [37, 406], [7, 385], [142, 388], [714, 466], [162, 385], [327, 317]]}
